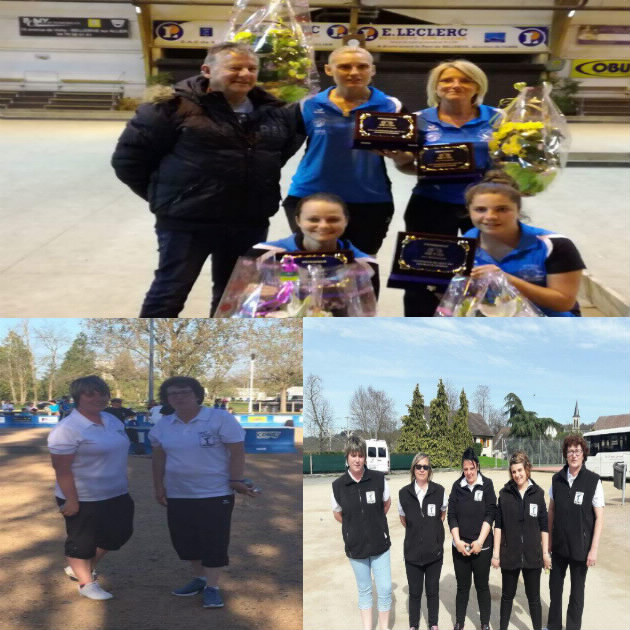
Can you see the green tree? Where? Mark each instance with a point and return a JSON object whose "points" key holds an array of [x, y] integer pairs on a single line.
{"points": [[461, 437], [278, 348], [16, 367], [436, 444], [524, 423], [79, 360], [414, 425]]}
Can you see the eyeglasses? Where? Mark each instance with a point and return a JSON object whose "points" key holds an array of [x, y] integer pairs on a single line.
{"points": [[422, 467], [179, 392], [574, 453]]}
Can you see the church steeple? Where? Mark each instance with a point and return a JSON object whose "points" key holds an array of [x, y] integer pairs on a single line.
{"points": [[576, 418]]}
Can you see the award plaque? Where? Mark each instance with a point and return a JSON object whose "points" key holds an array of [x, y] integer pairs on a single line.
{"points": [[383, 130], [322, 259], [430, 259], [446, 160]]}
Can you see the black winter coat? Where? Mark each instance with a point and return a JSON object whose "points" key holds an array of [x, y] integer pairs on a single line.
{"points": [[521, 520], [198, 166]]}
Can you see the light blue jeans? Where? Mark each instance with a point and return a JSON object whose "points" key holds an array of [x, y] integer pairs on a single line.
{"points": [[378, 566]]}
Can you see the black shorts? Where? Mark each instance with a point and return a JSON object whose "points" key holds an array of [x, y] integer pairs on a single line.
{"points": [[200, 528], [106, 524]]}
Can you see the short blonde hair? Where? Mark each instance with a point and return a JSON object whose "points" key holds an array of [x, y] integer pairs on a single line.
{"points": [[349, 49], [419, 457], [466, 67]]}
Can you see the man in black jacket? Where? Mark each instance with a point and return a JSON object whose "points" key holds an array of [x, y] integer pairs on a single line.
{"points": [[207, 156]]}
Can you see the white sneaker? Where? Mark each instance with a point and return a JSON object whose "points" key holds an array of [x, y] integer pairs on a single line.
{"points": [[70, 573], [92, 590]]}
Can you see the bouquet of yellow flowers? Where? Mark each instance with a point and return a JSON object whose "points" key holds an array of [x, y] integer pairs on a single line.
{"points": [[530, 139], [278, 34]]}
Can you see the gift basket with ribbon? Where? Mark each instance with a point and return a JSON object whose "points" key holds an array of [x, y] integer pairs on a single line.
{"points": [[531, 139], [271, 288], [278, 32], [488, 296]]}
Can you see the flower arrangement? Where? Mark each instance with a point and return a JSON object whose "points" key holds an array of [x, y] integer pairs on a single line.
{"points": [[489, 296], [530, 139], [270, 288], [286, 59]]}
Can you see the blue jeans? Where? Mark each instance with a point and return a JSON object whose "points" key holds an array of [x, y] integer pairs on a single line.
{"points": [[183, 254], [378, 566]]}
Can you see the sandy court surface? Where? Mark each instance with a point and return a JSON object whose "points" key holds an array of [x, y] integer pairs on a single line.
{"points": [[262, 587], [330, 594]]}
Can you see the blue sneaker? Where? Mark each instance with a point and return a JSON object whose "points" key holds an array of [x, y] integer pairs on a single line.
{"points": [[192, 588], [212, 598]]}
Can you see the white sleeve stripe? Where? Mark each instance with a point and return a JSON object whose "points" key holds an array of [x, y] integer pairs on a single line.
{"points": [[269, 247], [396, 102]]}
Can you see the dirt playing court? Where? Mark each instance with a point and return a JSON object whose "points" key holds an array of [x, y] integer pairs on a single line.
{"points": [[330, 593], [262, 587]]}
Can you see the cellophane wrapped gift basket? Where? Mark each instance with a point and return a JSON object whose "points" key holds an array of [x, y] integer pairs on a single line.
{"points": [[278, 32], [531, 139], [271, 288], [489, 296]]}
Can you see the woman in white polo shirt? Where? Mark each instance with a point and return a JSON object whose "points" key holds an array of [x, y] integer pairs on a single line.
{"points": [[89, 450], [198, 464]]}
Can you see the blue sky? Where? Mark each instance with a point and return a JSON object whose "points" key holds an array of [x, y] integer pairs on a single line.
{"points": [[548, 362]]}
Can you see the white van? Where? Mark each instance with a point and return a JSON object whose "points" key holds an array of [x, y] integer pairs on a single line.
{"points": [[377, 455]]}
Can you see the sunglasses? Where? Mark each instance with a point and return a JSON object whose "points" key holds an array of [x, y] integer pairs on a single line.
{"points": [[422, 467]]}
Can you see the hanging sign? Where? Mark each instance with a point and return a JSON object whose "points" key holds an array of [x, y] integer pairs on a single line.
{"points": [[74, 27]]}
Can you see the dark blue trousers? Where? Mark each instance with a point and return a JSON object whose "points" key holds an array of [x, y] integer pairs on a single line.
{"points": [[183, 254]]}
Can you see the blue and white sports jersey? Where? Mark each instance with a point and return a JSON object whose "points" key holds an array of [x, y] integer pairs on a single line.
{"points": [[436, 131], [330, 164], [293, 244], [539, 252]]}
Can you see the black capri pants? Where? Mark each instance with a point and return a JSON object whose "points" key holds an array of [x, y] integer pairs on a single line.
{"points": [[106, 524], [200, 528]]}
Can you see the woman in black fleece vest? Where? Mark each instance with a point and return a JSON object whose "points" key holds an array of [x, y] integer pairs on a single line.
{"points": [[422, 508], [521, 539], [472, 506]]}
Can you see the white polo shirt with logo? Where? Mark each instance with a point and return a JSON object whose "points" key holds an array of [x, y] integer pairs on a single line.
{"points": [[197, 458], [99, 467]]}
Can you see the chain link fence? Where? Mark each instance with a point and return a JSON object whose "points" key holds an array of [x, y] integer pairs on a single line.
{"points": [[541, 451]]}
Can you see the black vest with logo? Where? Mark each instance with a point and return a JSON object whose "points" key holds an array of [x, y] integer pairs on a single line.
{"points": [[424, 534], [364, 526], [574, 517], [520, 519]]}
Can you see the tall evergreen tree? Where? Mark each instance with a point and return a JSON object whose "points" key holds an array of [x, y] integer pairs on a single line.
{"points": [[80, 360], [437, 442], [414, 425], [461, 437]]}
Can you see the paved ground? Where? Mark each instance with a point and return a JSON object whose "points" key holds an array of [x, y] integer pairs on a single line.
{"points": [[78, 243], [262, 586], [330, 596]]}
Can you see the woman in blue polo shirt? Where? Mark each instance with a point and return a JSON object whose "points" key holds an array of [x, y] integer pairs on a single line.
{"points": [[455, 92], [545, 267], [321, 220], [329, 163]]}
